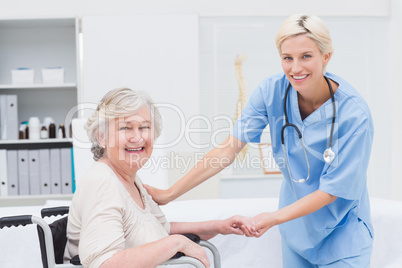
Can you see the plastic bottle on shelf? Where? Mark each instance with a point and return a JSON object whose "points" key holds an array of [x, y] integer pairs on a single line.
{"points": [[22, 131], [52, 131], [62, 132], [44, 134], [24, 127], [34, 128]]}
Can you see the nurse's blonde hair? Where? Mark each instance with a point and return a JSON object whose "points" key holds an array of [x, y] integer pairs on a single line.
{"points": [[311, 26]]}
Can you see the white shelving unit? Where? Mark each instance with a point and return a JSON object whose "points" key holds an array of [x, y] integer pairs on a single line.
{"points": [[4, 142], [40, 86], [39, 43]]}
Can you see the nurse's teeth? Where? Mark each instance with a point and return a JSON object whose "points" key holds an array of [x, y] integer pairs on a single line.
{"points": [[299, 77]]}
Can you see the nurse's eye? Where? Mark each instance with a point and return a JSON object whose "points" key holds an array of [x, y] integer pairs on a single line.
{"points": [[287, 58], [306, 56]]}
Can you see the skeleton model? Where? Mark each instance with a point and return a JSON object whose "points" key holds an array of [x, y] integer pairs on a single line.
{"points": [[242, 99]]}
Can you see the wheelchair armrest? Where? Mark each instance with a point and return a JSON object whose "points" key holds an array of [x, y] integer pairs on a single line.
{"points": [[75, 260], [193, 237], [48, 212], [15, 221]]}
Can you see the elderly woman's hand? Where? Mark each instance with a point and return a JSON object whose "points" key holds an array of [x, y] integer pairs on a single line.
{"points": [[191, 249], [245, 224], [234, 225]]}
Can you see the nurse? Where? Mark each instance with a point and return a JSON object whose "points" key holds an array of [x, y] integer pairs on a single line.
{"points": [[324, 210]]}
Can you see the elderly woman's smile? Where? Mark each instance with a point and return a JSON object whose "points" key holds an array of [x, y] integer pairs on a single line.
{"points": [[135, 150], [130, 140]]}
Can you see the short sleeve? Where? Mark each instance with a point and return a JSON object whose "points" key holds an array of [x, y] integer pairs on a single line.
{"points": [[253, 119], [102, 232], [348, 176]]}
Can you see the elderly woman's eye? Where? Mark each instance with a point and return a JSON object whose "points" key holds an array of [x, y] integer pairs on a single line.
{"points": [[123, 128], [145, 127]]}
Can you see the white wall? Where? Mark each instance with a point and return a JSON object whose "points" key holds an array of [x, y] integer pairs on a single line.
{"points": [[12, 8], [395, 54]]}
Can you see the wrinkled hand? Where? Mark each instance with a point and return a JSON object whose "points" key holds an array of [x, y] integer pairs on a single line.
{"points": [[194, 250], [263, 222], [232, 225], [244, 224], [158, 195]]}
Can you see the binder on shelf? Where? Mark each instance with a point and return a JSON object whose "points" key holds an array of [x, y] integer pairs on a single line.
{"points": [[34, 172], [74, 184], [3, 173], [23, 172], [8, 117], [44, 171], [12, 172], [55, 174], [3, 117], [12, 117], [66, 171]]}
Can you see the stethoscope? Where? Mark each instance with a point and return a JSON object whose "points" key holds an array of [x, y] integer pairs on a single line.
{"points": [[328, 154]]}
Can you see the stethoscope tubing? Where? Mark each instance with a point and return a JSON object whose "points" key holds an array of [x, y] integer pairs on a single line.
{"points": [[287, 124]]}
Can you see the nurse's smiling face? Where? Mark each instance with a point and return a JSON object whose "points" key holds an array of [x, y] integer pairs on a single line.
{"points": [[303, 62]]}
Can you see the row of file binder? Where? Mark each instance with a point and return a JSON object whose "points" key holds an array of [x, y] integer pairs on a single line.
{"points": [[35, 172], [8, 117]]}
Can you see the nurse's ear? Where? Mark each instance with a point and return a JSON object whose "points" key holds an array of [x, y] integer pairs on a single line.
{"points": [[326, 57]]}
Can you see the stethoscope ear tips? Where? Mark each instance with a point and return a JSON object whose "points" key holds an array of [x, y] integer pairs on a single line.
{"points": [[328, 155]]}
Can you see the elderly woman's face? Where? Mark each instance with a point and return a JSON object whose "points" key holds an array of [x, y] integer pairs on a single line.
{"points": [[130, 141]]}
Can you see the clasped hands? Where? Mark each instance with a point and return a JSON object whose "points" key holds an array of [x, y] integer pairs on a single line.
{"points": [[254, 226]]}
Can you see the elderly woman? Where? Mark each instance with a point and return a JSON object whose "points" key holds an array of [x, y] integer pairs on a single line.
{"points": [[113, 222]]}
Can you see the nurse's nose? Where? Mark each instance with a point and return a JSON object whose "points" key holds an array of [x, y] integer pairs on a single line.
{"points": [[297, 67]]}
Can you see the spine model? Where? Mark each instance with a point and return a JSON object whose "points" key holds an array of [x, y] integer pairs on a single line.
{"points": [[242, 98]]}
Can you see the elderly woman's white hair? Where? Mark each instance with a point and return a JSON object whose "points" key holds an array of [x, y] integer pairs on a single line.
{"points": [[117, 103], [311, 26]]}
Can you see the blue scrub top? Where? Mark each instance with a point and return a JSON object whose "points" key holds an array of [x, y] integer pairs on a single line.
{"points": [[343, 228]]}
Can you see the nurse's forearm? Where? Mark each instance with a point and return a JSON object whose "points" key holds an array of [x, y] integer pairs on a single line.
{"points": [[300, 208], [211, 164], [304, 206]]}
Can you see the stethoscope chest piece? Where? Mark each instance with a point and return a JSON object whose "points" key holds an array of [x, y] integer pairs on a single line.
{"points": [[328, 155]]}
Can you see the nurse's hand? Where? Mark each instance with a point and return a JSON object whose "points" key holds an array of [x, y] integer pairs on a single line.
{"points": [[263, 222], [162, 197], [238, 224], [245, 224]]}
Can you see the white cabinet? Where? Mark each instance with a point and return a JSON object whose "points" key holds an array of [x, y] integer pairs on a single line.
{"points": [[38, 44]]}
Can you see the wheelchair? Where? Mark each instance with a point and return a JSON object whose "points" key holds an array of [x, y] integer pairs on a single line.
{"points": [[52, 240]]}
